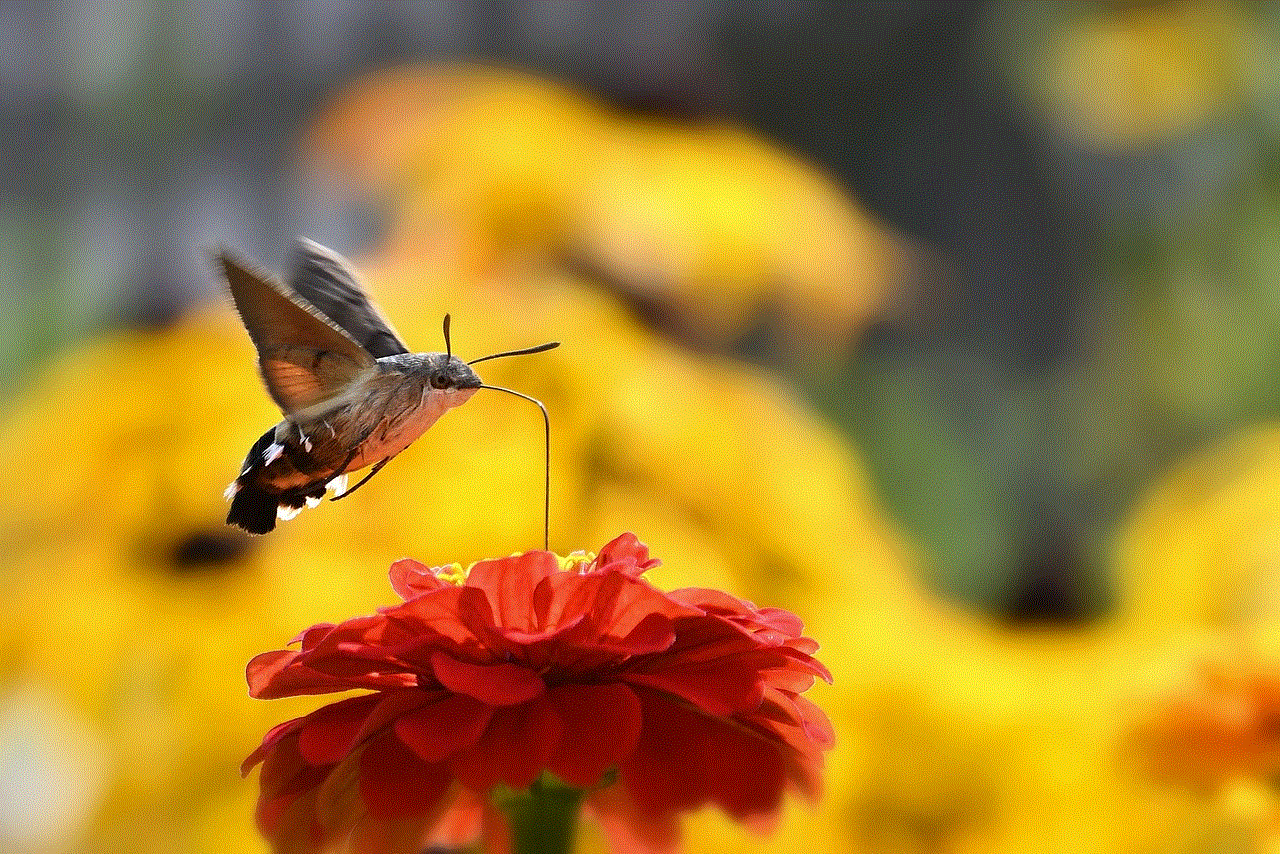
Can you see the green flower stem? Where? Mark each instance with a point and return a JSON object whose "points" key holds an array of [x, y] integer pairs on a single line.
{"points": [[543, 819]]}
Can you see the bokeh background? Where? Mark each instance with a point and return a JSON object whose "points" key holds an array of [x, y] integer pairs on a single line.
{"points": [[952, 327]]}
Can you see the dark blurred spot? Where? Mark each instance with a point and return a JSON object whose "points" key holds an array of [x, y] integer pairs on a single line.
{"points": [[703, 97], [200, 551], [762, 340], [1050, 589]]}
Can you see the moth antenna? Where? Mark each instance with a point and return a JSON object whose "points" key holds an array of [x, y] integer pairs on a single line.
{"points": [[541, 348], [546, 458], [448, 348]]}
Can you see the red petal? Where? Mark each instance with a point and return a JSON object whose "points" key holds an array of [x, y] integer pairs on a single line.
{"points": [[369, 629], [339, 658], [283, 818], [654, 633], [284, 780], [330, 732], [814, 721], [437, 731], [712, 691], [392, 706], [802, 733], [293, 680], [469, 823], [685, 759], [264, 667], [395, 783], [269, 741], [601, 726], [625, 553], [719, 689], [514, 749], [371, 835], [308, 638], [782, 621], [409, 578], [708, 638], [504, 684], [713, 601], [558, 602], [622, 603], [768, 626], [518, 639], [462, 824], [455, 614], [795, 681], [509, 584], [615, 604]]}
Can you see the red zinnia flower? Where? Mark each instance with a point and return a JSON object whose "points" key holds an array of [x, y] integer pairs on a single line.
{"points": [[531, 664]]}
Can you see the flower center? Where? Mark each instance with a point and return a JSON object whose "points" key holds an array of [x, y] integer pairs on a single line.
{"points": [[452, 573]]}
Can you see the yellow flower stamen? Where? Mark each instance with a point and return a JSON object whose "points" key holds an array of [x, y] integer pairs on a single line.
{"points": [[575, 561], [452, 573]]}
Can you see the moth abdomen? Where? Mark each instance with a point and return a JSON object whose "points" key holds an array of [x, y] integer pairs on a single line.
{"points": [[253, 509]]}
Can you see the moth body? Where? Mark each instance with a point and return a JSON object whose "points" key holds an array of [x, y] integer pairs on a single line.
{"points": [[411, 391], [352, 394], [296, 462]]}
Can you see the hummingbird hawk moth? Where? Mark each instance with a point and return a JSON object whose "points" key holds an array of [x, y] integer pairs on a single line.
{"points": [[351, 392]]}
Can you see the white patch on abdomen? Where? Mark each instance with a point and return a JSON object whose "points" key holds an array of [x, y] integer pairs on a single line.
{"points": [[338, 485]]}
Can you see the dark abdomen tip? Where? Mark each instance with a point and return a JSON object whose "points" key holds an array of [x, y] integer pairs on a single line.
{"points": [[253, 510]]}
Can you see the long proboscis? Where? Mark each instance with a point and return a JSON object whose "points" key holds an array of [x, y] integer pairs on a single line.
{"points": [[541, 348], [546, 450]]}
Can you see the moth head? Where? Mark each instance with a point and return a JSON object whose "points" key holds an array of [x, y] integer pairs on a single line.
{"points": [[449, 373]]}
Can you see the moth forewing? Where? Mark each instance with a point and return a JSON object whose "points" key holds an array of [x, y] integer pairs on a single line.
{"points": [[322, 400], [305, 359], [327, 281]]}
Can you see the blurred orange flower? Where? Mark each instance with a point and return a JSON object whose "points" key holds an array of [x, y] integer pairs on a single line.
{"points": [[534, 663], [1220, 721]]}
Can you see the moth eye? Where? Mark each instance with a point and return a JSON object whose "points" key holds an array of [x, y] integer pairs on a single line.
{"points": [[203, 551], [440, 382]]}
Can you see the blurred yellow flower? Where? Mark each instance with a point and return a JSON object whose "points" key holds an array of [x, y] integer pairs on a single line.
{"points": [[1202, 551], [1124, 75], [713, 230]]}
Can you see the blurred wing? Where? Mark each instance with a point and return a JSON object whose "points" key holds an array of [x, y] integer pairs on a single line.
{"points": [[305, 359], [324, 278]]}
